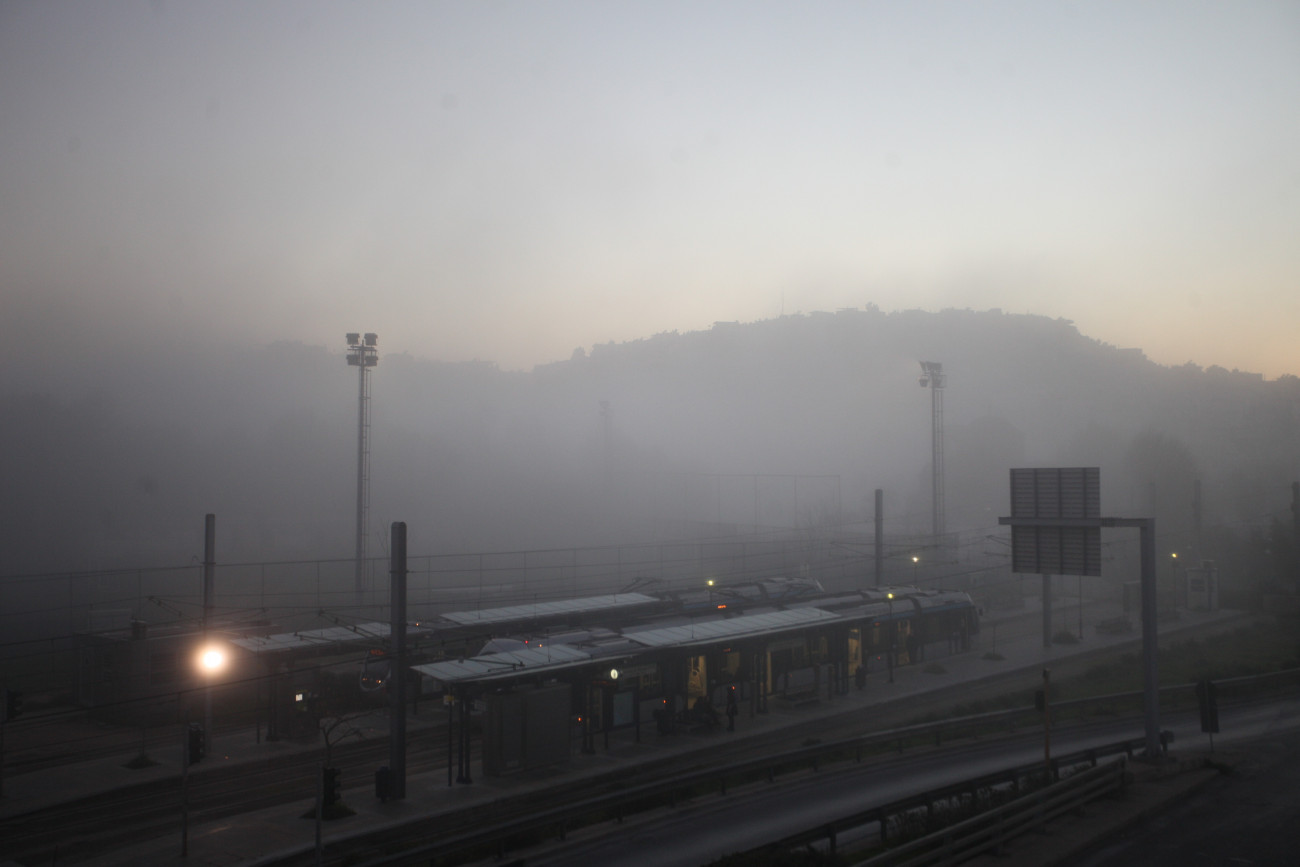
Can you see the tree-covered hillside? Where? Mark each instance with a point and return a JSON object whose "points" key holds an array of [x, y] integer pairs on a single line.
{"points": [[787, 422]]}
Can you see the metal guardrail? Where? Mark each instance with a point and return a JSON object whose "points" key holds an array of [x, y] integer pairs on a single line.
{"points": [[989, 830], [628, 801], [964, 792], [559, 819]]}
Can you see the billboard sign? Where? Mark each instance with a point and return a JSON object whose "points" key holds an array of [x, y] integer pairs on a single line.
{"points": [[1067, 501]]}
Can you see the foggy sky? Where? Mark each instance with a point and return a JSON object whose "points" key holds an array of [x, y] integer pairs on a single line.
{"points": [[509, 181]]}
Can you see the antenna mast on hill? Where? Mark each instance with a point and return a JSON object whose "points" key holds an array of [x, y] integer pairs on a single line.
{"points": [[932, 375], [363, 353]]}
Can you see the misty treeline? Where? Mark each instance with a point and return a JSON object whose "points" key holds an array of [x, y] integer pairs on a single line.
{"points": [[786, 423]]}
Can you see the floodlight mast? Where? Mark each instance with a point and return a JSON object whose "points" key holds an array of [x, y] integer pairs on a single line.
{"points": [[932, 375], [363, 354]]}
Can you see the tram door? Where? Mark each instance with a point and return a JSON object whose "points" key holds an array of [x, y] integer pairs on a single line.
{"points": [[697, 682], [904, 642], [855, 650]]}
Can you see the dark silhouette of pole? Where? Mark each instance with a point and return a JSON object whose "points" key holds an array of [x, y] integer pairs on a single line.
{"points": [[1150, 640], [209, 594], [880, 535], [363, 355], [1047, 611], [1295, 530], [397, 665], [932, 375]]}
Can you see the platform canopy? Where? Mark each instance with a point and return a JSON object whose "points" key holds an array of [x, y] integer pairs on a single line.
{"points": [[314, 639], [507, 664], [539, 610], [750, 626]]}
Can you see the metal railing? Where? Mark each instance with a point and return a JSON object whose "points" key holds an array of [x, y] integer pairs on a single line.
{"points": [[616, 806], [968, 795], [623, 802], [990, 830]]}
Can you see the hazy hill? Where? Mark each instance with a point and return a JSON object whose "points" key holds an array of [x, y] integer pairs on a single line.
{"points": [[785, 422]]}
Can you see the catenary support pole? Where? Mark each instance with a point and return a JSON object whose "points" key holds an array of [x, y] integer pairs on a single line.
{"points": [[880, 535], [1150, 640], [209, 596], [1047, 611], [397, 665], [1295, 529]]}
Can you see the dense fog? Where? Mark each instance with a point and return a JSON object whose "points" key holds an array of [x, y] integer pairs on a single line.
{"points": [[784, 424]]}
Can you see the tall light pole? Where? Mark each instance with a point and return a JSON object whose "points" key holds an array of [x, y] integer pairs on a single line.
{"points": [[363, 354], [932, 375]]}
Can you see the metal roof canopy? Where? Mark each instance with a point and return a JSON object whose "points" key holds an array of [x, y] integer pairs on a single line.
{"points": [[507, 664], [514, 663], [709, 631], [313, 638], [538, 610]]}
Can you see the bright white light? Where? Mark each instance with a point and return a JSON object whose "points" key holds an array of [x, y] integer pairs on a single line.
{"points": [[613, 674], [212, 659]]}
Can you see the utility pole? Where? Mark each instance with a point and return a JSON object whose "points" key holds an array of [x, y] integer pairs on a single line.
{"points": [[1295, 531], [397, 665], [932, 375], [880, 535], [363, 354], [607, 431], [209, 568], [1047, 611]]}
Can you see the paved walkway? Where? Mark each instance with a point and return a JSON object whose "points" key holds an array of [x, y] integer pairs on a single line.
{"points": [[263, 836]]}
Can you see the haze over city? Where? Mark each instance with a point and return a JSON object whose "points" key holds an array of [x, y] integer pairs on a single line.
{"points": [[638, 451], [511, 181]]}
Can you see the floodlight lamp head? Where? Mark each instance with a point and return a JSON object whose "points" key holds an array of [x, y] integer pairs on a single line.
{"points": [[353, 338], [372, 339]]}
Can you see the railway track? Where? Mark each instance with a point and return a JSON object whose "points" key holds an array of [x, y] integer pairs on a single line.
{"points": [[77, 830]]}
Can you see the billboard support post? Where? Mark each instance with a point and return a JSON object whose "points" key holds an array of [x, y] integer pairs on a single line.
{"points": [[1056, 522]]}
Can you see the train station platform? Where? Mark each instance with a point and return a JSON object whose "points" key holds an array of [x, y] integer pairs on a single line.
{"points": [[1008, 641]]}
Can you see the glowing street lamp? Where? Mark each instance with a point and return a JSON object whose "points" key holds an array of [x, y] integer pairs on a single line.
{"points": [[211, 662], [212, 659], [915, 561], [892, 634]]}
